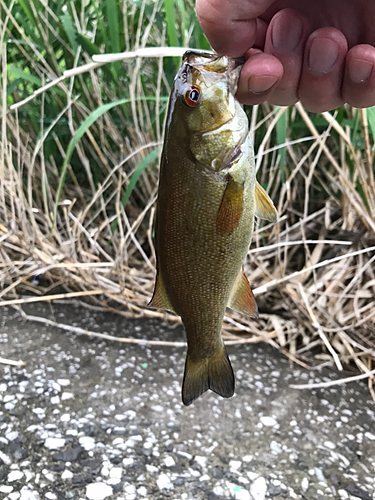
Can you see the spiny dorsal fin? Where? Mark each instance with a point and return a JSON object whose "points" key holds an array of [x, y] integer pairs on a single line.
{"points": [[160, 299], [264, 207], [215, 373], [231, 207], [242, 298]]}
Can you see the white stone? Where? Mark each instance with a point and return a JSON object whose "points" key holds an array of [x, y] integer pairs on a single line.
{"points": [[130, 489], [54, 443], [247, 458], [275, 447], [51, 496], [163, 482], [205, 477], [142, 491], [115, 472], [88, 443], [370, 436], [242, 495], [258, 488], [268, 421], [11, 436], [55, 400], [98, 491], [235, 464], [63, 381], [27, 494], [169, 461], [66, 395], [304, 484], [151, 468], [67, 474], [157, 408], [6, 489], [65, 417], [15, 475], [330, 445], [202, 461], [14, 496], [128, 461]]}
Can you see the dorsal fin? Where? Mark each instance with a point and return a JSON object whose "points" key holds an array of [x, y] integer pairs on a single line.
{"points": [[231, 207], [160, 299], [264, 207], [242, 298]]}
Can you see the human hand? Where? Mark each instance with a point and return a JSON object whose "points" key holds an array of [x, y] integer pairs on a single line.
{"points": [[319, 52]]}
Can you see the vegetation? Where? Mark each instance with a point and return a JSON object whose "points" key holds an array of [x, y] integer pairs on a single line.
{"points": [[79, 169]]}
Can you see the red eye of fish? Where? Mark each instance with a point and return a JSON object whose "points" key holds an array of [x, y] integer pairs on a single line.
{"points": [[192, 97]]}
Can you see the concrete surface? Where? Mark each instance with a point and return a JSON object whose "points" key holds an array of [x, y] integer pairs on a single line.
{"points": [[87, 419]]}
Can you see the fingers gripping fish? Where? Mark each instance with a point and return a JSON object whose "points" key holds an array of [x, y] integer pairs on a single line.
{"points": [[207, 199]]}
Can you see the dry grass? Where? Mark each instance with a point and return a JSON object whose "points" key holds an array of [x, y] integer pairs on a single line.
{"points": [[312, 272]]}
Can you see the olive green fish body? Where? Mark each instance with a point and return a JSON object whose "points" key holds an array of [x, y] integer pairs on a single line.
{"points": [[205, 217]]}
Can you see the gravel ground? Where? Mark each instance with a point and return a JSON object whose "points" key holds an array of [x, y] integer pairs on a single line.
{"points": [[87, 419]]}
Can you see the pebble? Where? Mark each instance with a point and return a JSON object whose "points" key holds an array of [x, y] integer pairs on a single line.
{"points": [[258, 488], [67, 474], [54, 443], [268, 421], [164, 483], [15, 475], [98, 491], [169, 461]]}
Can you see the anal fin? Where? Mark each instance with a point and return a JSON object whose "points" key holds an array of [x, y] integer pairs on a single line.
{"points": [[160, 299], [242, 298], [264, 207], [231, 207]]}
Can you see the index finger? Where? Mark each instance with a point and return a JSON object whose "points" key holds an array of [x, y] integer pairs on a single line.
{"points": [[230, 25]]}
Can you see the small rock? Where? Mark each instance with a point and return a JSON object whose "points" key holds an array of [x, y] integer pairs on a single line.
{"points": [[268, 421], [54, 443], [258, 488], [15, 475], [163, 482], [67, 474], [98, 491], [68, 455], [169, 461]]}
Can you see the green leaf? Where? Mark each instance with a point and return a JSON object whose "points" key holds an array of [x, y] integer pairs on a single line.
{"points": [[82, 129], [134, 179], [171, 28], [19, 73], [371, 119], [114, 32], [70, 30]]}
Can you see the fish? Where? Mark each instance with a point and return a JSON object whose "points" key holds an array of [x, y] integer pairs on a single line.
{"points": [[207, 199]]}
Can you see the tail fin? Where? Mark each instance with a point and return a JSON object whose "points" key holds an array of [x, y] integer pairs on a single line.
{"points": [[215, 373]]}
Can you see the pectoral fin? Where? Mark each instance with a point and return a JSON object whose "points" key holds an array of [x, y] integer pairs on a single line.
{"points": [[264, 207], [242, 298], [160, 299], [231, 207]]}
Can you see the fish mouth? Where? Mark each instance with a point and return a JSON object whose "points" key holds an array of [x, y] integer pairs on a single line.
{"points": [[214, 63]]}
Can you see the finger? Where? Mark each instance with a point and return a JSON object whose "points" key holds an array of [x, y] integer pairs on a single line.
{"points": [[230, 25], [260, 73], [323, 70], [286, 38], [359, 79]]}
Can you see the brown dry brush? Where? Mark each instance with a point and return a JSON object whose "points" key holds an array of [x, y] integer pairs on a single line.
{"points": [[312, 272]]}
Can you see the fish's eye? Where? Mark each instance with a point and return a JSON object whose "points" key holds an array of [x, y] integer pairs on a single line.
{"points": [[192, 97]]}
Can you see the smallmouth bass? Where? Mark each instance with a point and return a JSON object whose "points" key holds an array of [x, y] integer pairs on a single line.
{"points": [[207, 199]]}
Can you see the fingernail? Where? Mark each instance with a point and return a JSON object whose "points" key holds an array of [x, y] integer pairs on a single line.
{"points": [[286, 33], [323, 55], [359, 70], [260, 84]]}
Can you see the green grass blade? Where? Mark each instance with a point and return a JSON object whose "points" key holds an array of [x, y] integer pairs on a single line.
{"points": [[70, 30], [371, 119], [114, 32], [81, 132], [19, 73], [281, 127], [134, 179], [172, 28]]}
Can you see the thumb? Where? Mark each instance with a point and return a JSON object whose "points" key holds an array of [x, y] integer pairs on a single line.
{"points": [[230, 25]]}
